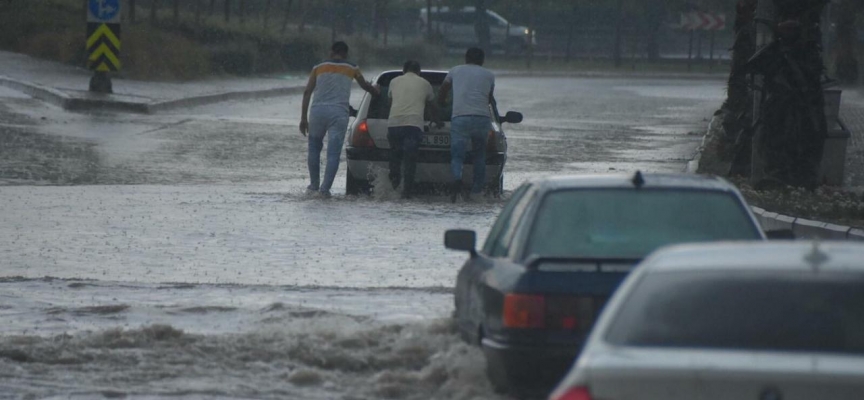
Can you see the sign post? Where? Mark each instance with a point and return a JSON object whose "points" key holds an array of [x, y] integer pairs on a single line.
{"points": [[103, 42], [695, 20]]}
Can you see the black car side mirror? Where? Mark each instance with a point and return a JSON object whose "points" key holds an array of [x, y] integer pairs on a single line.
{"points": [[780, 234], [512, 117], [352, 112], [462, 240]]}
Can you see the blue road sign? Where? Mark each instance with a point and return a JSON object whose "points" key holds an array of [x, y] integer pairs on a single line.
{"points": [[104, 10]]}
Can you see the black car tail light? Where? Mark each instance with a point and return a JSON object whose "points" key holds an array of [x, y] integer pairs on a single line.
{"points": [[524, 311], [572, 313], [491, 143]]}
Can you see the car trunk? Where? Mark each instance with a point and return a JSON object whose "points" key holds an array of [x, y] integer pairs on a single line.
{"points": [[648, 374]]}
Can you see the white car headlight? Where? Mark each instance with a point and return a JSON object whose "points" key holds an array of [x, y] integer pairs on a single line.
{"points": [[527, 32]]}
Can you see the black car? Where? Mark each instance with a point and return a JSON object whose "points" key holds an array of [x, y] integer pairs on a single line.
{"points": [[559, 249]]}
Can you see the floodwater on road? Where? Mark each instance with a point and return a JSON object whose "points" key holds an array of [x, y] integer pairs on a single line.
{"points": [[175, 255]]}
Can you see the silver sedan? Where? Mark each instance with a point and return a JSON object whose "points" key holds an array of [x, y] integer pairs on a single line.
{"points": [[743, 321]]}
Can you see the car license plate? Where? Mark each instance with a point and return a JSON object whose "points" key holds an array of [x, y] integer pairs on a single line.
{"points": [[435, 140]]}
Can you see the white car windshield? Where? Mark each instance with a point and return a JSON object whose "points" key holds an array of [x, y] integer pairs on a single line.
{"points": [[744, 310]]}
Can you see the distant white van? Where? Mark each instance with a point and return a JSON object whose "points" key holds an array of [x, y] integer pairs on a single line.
{"points": [[456, 27]]}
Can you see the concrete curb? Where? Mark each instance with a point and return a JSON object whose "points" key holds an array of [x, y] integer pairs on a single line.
{"points": [[74, 103], [44, 93], [802, 228], [612, 75], [226, 96]]}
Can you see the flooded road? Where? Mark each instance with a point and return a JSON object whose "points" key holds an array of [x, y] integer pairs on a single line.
{"points": [[175, 255]]}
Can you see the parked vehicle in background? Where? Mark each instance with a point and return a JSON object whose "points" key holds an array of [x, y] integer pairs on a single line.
{"points": [[731, 321], [560, 248], [457, 28], [368, 150]]}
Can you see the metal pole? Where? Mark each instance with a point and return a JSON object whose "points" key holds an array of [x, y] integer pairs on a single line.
{"points": [[711, 56], [690, 52]]}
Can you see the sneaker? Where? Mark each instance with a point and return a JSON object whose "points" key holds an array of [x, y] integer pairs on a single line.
{"points": [[325, 194], [310, 192]]}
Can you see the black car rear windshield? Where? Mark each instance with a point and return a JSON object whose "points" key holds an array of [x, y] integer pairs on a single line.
{"points": [[806, 311], [379, 108], [630, 223]]}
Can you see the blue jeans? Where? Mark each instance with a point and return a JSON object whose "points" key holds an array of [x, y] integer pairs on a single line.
{"points": [[473, 128], [404, 143], [331, 121]]}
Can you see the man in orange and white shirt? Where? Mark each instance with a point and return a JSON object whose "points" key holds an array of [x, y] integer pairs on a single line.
{"points": [[330, 83]]}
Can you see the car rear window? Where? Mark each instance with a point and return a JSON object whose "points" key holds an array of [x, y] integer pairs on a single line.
{"points": [[379, 108], [629, 223], [806, 311]]}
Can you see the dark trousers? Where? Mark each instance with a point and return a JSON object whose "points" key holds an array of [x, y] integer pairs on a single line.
{"points": [[404, 142]]}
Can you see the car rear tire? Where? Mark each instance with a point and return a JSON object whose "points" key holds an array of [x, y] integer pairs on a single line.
{"points": [[354, 186]]}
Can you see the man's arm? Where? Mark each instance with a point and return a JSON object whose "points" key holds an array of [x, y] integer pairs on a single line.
{"points": [[492, 101], [307, 96], [444, 91], [373, 90], [433, 108]]}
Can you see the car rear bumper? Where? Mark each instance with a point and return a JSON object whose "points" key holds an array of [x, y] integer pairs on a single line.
{"points": [[423, 156], [432, 166], [537, 367]]}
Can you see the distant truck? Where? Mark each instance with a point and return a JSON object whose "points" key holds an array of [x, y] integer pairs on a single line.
{"points": [[457, 28]]}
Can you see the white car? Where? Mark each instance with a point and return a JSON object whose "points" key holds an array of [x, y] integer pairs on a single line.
{"points": [[368, 150], [742, 321], [457, 28]]}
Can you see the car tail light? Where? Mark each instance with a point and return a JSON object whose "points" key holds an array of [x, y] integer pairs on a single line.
{"points": [[361, 137], [524, 311], [576, 393], [491, 143], [569, 313]]}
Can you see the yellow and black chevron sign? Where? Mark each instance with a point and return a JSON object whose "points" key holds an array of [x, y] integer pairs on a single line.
{"points": [[103, 46]]}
